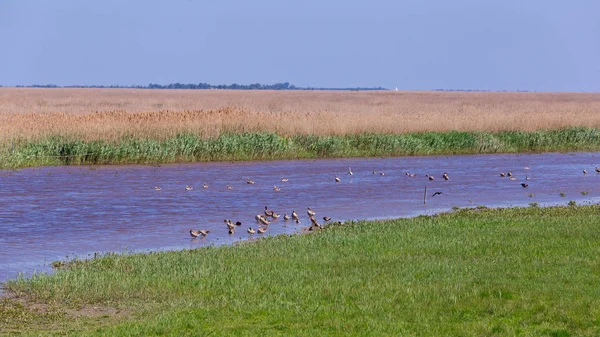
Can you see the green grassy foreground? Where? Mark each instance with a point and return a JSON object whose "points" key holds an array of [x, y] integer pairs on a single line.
{"points": [[504, 272], [260, 146]]}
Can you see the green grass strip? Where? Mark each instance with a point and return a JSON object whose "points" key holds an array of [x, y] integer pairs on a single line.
{"points": [[265, 146], [503, 272]]}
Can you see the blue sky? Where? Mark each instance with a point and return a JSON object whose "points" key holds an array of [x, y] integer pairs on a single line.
{"points": [[463, 44]]}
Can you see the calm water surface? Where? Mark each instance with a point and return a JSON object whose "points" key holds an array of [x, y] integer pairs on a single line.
{"points": [[50, 213]]}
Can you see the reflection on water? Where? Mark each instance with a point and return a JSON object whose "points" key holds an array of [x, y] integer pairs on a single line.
{"points": [[50, 213]]}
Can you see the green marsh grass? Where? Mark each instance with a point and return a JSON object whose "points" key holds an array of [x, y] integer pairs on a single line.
{"points": [[190, 147], [474, 272]]}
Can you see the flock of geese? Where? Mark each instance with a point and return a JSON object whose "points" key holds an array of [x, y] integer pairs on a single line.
{"points": [[263, 221]]}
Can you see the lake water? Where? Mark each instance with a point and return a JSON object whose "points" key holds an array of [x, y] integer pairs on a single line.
{"points": [[55, 213]]}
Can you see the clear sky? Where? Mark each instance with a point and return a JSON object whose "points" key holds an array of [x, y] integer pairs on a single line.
{"points": [[420, 44]]}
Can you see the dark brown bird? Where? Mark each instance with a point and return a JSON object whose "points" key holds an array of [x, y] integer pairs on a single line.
{"points": [[524, 185], [326, 218]]}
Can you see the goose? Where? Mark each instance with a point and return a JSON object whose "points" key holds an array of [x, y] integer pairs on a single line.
{"points": [[230, 224], [374, 172], [584, 171], [445, 176], [286, 217], [251, 230], [157, 188], [268, 212], [597, 169], [257, 217], [350, 171], [238, 223], [295, 216], [502, 174], [276, 189], [261, 230], [524, 185], [250, 182], [205, 185], [510, 173], [229, 187], [310, 212], [527, 177], [411, 174], [275, 215], [264, 221], [189, 188], [284, 179], [381, 173], [337, 179], [201, 232], [326, 218], [231, 230], [428, 176]]}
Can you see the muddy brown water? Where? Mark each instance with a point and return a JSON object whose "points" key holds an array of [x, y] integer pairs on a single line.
{"points": [[57, 213]]}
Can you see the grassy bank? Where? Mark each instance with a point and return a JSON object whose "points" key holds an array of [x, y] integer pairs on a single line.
{"points": [[259, 146], [502, 272]]}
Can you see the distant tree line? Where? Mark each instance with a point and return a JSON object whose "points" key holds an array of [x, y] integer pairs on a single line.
{"points": [[200, 86]]}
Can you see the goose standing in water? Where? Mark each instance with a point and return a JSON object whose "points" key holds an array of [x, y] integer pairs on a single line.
{"points": [[524, 185], [261, 230], [502, 174], [428, 176], [584, 171], [251, 230], [295, 216], [286, 217], [337, 179], [202, 233], [350, 171], [250, 182], [445, 176], [310, 212]]}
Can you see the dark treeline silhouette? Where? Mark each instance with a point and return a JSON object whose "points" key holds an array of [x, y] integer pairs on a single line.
{"points": [[235, 86]]}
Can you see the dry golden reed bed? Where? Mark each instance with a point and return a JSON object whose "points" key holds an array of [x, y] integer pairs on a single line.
{"points": [[110, 113]]}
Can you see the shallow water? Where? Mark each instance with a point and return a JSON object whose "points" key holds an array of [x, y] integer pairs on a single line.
{"points": [[54, 213]]}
